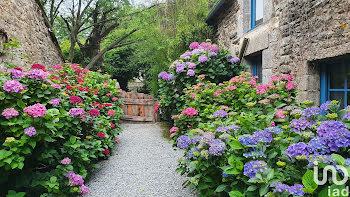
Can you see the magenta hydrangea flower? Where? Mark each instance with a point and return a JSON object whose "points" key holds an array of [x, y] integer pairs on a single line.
{"points": [[190, 112], [74, 179], [13, 86], [191, 73], [55, 85], [55, 102], [10, 113], [76, 112], [174, 129], [37, 74], [194, 45], [202, 58], [65, 161], [37, 110], [30, 131], [191, 65], [16, 74], [83, 189]]}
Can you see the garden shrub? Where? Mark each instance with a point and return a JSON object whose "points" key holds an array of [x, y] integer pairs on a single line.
{"points": [[55, 126], [242, 138], [202, 59]]}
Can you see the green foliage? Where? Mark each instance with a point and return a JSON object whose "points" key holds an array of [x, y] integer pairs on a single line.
{"points": [[32, 163], [78, 55]]}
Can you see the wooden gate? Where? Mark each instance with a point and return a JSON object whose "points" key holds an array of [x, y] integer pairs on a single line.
{"points": [[138, 107]]}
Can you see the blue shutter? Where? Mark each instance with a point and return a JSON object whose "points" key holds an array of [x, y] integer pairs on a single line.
{"points": [[252, 14], [323, 85]]}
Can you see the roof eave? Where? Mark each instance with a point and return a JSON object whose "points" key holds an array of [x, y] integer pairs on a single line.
{"points": [[214, 11]]}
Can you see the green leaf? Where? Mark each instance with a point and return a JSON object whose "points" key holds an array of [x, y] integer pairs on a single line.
{"points": [[21, 104], [339, 159], [53, 179], [270, 174], [72, 139], [4, 154], [220, 188], [308, 180], [252, 188], [235, 144], [32, 143], [263, 189], [235, 194]]}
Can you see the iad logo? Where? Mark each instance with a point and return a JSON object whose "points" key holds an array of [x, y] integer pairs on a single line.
{"points": [[334, 174]]}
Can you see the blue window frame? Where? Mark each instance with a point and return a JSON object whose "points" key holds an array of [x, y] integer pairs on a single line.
{"points": [[335, 78], [257, 13], [257, 66]]}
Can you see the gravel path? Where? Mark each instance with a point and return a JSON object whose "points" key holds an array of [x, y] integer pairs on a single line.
{"points": [[144, 165]]}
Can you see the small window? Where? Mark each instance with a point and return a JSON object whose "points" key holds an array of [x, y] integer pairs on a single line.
{"points": [[257, 12], [257, 66], [335, 78]]}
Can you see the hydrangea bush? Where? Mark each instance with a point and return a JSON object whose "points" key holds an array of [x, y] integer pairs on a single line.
{"points": [[205, 59], [55, 126], [248, 139]]}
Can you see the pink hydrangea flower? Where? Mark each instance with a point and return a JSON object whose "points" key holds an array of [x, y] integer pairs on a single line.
{"points": [[10, 113], [172, 135], [58, 67], [175, 117], [111, 112], [270, 86], [261, 89], [274, 78], [231, 88], [279, 114], [37, 74], [202, 58], [76, 112], [289, 85], [202, 76], [114, 99], [13, 86], [174, 129], [234, 80], [190, 112], [193, 96], [252, 82], [65, 161], [30, 131], [191, 72], [217, 93], [74, 66], [55, 102], [194, 45], [57, 86], [83, 189], [37, 110]]}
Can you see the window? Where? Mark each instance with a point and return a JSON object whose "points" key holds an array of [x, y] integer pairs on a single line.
{"points": [[335, 78], [257, 66], [257, 13]]}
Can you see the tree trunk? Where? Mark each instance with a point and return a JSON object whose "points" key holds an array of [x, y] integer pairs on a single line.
{"points": [[71, 50]]}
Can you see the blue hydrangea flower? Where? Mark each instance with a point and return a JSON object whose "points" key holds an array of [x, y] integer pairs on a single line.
{"points": [[254, 154], [347, 162], [183, 142], [325, 106], [251, 168], [223, 129], [221, 113], [276, 130], [180, 67], [262, 136], [346, 116], [191, 151], [318, 145], [247, 140], [336, 134], [224, 136], [207, 137], [295, 189], [299, 149], [217, 147], [312, 111], [196, 139], [279, 187], [233, 127], [300, 124]]}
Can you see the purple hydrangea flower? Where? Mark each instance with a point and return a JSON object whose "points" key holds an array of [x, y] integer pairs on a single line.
{"points": [[221, 113], [325, 105], [300, 125], [16, 74], [212, 54], [55, 102], [180, 68], [232, 60], [191, 65], [13, 86], [279, 187], [191, 73], [77, 180], [183, 142], [262, 136], [187, 55], [207, 137], [76, 112], [312, 111], [253, 167], [318, 145], [202, 58], [30, 131], [336, 134], [190, 154], [196, 139], [10, 113], [299, 149], [296, 190], [197, 51], [275, 130], [223, 129], [346, 116], [247, 140], [214, 48], [194, 45], [84, 189], [217, 147], [347, 162], [162, 74], [233, 127], [37, 74]]}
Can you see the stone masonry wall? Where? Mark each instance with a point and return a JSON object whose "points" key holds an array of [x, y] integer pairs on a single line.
{"points": [[227, 26], [24, 20]]}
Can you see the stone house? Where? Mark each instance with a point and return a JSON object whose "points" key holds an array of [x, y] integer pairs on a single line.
{"points": [[309, 39], [26, 21]]}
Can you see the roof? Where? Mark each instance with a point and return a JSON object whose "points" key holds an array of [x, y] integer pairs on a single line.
{"points": [[219, 7]]}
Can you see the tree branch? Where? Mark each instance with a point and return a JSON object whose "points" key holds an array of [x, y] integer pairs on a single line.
{"points": [[67, 23], [110, 47]]}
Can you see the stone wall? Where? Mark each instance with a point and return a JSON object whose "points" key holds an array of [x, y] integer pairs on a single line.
{"points": [[294, 35], [24, 20]]}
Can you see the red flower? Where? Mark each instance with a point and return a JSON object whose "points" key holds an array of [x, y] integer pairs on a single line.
{"points": [[156, 108], [55, 78], [114, 99], [86, 89], [111, 112], [38, 66], [69, 88], [80, 81], [106, 152], [101, 134], [97, 104], [20, 69], [81, 89], [109, 94], [85, 70], [94, 112], [112, 125], [78, 70], [117, 140], [74, 66], [107, 104], [75, 99]]}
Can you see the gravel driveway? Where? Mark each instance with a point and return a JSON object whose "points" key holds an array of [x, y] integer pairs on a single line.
{"points": [[144, 165]]}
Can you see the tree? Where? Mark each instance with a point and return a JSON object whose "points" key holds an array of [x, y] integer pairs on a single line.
{"points": [[53, 7]]}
